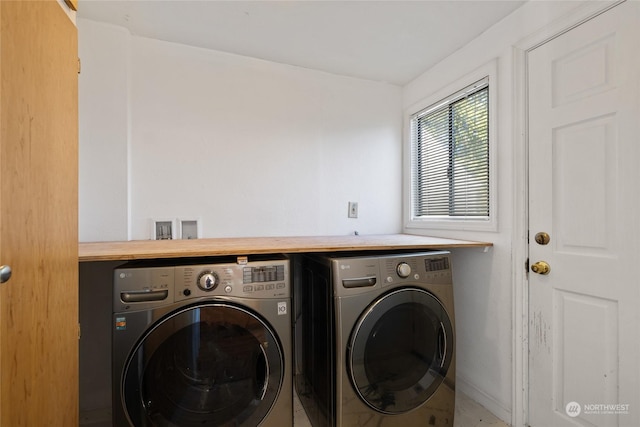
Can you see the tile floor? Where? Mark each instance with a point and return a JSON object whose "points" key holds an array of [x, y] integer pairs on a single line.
{"points": [[468, 414]]}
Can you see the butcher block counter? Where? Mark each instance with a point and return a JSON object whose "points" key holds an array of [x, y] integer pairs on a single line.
{"points": [[156, 249]]}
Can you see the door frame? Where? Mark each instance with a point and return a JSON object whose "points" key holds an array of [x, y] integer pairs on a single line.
{"points": [[519, 242]]}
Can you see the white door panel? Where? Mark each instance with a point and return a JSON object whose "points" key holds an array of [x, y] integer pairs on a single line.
{"points": [[584, 191]]}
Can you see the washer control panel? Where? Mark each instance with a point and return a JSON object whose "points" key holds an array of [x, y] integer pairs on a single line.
{"points": [[142, 287], [146, 287], [258, 279]]}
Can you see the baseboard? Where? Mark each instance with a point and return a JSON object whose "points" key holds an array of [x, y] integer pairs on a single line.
{"points": [[491, 404]]}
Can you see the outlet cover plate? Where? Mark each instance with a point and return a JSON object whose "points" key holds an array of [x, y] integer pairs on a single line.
{"points": [[353, 209]]}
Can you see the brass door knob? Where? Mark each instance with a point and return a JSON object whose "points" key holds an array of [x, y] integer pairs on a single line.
{"points": [[541, 267], [542, 238]]}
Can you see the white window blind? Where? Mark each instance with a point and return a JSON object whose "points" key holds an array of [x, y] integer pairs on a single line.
{"points": [[450, 151]]}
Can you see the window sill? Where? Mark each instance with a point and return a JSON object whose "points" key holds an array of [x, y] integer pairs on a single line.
{"points": [[489, 225]]}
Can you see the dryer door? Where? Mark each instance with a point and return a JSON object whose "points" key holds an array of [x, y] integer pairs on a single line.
{"points": [[211, 364], [400, 350]]}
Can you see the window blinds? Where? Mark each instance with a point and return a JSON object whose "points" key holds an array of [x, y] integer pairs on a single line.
{"points": [[451, 156]]}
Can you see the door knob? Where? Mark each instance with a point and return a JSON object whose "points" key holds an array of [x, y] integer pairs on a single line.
{"points": [[541, 267], [542, 238], [5, 273]]}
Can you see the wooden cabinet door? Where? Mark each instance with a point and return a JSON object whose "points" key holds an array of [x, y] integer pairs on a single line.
{"points": [[38, 215]]}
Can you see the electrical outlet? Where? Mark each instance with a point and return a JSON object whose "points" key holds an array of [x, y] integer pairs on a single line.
{"points": [[353, 209]]}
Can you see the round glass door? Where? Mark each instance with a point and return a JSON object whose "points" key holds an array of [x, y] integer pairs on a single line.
{"points": [[213, 364], [400, 350]]}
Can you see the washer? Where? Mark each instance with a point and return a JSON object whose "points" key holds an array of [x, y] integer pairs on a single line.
{"points": [[203, 344], [387, 324]]}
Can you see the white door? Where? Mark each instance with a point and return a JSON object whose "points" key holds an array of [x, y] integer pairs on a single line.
{"points": [[584, 192]]}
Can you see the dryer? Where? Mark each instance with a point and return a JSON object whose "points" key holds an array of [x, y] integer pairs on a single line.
{"points": [[202, 343], [386, 323]]}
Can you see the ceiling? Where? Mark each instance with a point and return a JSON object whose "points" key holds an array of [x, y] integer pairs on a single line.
{"points": [[386, 41]]}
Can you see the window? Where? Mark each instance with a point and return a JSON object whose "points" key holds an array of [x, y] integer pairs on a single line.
{"points": [[450, 158]]}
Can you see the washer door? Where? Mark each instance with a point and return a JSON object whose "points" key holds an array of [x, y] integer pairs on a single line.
{"points": [[400, 350], [211, 364]]}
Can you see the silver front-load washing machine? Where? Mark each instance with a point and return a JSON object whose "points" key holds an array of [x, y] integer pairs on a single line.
{"points": [[202, 344], [386, 325]]}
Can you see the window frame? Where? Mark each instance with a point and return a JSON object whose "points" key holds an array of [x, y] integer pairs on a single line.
{"points": [[442, 97]]}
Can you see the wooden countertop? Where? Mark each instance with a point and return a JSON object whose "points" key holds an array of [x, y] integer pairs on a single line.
{"points": [[150, 249]]}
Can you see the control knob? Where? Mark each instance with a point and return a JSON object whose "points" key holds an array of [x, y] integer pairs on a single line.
{"points": [[403, 269], [207, 280]]}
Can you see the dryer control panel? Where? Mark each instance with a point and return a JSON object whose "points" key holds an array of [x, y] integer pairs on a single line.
{"points": [[431, 268], [437, 269], [361, 274]]}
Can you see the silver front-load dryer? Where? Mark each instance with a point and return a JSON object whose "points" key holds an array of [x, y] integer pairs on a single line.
{"points": [[204, 344], [392, 347]]}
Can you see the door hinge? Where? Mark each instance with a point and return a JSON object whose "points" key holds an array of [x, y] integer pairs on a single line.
{"points": [[72, 4], [79, 331], [79, 66]]}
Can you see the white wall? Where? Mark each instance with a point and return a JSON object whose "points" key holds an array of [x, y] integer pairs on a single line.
{"points": [[256, 148], [103, 131], [484, 281], [249, 147]]}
